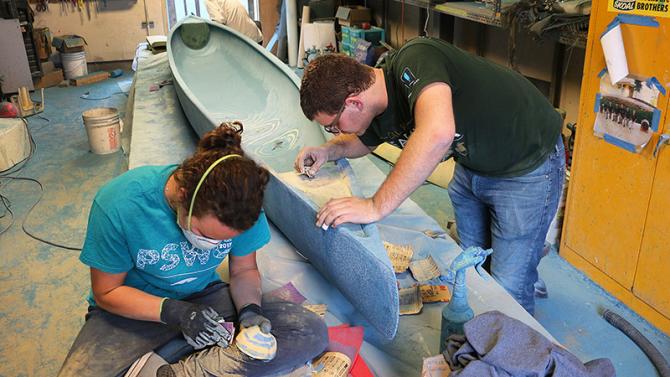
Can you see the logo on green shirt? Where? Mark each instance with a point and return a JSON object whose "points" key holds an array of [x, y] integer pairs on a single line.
{"points": [[408, 78]]}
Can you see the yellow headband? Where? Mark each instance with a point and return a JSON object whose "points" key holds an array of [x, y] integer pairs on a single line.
{"points": [[202, 179]]}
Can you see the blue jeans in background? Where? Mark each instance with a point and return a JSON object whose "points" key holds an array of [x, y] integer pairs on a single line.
{"points": [[512, 216]]}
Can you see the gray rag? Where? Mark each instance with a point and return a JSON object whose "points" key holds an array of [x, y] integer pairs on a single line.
{"points": [[496, 345]]}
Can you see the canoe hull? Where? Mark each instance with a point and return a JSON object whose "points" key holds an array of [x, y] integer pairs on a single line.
{"points": [[263, 94]]}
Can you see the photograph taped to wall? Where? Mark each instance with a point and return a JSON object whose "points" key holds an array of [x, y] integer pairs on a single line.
{"points": [[626, 113]]}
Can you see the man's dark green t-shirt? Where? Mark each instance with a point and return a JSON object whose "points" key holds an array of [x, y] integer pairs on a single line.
{"points": [[504, 126]]}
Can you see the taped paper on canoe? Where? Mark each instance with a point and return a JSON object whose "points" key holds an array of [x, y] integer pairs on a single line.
{"points": [[400, 255], [424, 269], [319, 309], [435, 293], [332, 364], [435, 366], [410, 300]]}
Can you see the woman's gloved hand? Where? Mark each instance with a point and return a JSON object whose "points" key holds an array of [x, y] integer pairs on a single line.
{"points": [[198, 323], [252, 315]]}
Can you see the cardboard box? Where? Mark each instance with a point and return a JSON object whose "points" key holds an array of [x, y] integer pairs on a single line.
{"points": [[69, 43], [157, 43], [47, 66], [50, 79], [353, 15]]}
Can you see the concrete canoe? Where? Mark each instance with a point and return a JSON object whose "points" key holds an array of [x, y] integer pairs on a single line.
{"points": [[221, 75]]}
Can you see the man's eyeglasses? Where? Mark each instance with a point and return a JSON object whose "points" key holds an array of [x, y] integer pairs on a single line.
{"points": [[333, 126]]}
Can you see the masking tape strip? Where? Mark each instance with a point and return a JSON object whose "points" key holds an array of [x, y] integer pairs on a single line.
{"points": [[634, 19], [653, 81], [656, 118], [597, 105], [630, 19], [619, 143]]}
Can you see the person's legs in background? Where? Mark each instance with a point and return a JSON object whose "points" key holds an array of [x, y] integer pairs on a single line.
{"points": [[472, 216], [521, 210]]}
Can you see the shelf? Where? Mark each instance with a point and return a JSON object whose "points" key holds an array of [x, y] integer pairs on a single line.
{"points": [[468, 10], [476, 11]]}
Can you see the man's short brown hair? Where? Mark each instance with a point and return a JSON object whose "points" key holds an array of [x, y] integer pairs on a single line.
{"points": [[328, 81]]}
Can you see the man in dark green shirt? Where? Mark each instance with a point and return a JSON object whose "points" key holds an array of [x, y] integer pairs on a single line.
{"points": [[436, 101]]}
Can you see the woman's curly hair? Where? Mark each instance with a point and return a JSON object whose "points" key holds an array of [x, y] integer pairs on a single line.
{"points": [[233, 190]]}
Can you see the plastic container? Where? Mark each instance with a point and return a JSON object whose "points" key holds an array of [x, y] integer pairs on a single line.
{"points": [[346, 36], [103, 128], [374, 35], [346, 48], [74, 64]]}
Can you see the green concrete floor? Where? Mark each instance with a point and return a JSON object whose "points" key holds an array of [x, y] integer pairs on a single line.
{"points": [[43, 287]]}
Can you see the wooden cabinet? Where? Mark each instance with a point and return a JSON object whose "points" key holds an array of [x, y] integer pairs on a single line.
{"points": [[652, 277], [617, 223]]}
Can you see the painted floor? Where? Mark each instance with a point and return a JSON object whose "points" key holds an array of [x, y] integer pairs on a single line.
{"points": [[43, 288]]}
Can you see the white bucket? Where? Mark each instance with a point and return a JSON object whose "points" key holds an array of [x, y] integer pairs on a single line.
{"points": [[74, 64], [104, 128]]}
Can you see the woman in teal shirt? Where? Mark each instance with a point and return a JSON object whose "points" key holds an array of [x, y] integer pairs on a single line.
{"points": [[155, 237]]}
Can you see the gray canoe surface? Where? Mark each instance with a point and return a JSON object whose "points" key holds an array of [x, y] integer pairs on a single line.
{"points": [[228, 77]]}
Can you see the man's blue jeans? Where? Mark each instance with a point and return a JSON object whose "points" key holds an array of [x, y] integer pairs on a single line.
{"points": [[512, 216]]}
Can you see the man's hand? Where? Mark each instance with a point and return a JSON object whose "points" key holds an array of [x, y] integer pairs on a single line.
{"points": [[310, 160], [348, 210], [252, 315], [198, 323]]}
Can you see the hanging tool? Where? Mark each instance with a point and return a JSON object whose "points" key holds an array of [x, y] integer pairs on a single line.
{"points": [[42, 5], [80, 4]]}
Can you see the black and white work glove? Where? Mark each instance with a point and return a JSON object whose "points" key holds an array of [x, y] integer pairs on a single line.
{"points": [[198, 323], [252, 315]]}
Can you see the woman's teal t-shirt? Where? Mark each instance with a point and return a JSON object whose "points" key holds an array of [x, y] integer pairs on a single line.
{"points": [[131, 228]]}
